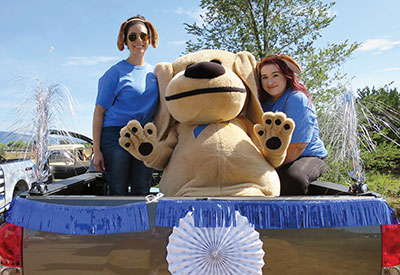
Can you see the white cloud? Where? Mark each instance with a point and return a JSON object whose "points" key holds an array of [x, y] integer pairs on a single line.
{"points": [[378, 45], [194, 14], [89, 60], [8, 105], [182, 42], [396, 69]]}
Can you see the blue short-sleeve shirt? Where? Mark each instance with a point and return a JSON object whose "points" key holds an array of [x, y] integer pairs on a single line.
{"points": [[128, 92], [298, 107]]}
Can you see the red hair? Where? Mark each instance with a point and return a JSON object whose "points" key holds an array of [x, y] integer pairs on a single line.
{"points": [[292, 82]]}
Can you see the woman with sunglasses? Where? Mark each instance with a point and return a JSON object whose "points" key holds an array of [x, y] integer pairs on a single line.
{"points": [[280, 90], [128, 90]]}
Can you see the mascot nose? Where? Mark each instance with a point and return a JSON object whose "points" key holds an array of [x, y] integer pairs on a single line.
{"points": [[207, 70]]}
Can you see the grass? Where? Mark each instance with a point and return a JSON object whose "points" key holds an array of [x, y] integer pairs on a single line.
{"points": [[388, 185], [17, 155]]}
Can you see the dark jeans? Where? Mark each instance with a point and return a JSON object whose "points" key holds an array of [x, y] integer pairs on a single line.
{"points": [[122, 169], [296, 176]]}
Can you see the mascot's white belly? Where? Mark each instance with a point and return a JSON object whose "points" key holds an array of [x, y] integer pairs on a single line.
{"points": [[217, 159]]}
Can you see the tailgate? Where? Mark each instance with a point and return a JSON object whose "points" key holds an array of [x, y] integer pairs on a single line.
{"points": [[287, 251], [349, 250]]}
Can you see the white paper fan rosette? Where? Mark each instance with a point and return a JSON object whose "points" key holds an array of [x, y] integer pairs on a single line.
{"points": [[221, 250]]}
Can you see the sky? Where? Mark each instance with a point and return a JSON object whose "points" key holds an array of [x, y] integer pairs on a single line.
{"points": [[71, 43]]}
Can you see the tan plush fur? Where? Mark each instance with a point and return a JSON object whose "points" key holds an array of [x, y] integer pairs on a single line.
{"points": [[210, 135]]}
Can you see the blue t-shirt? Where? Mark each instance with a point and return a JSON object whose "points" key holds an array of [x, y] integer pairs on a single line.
{"points": [[298, 107], [128, 92]]}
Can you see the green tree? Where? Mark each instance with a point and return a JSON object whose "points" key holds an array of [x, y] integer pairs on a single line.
{"points": [[383, 111], [380, 117], [263, 27], [2, 149], [11, 144], [17, 145]]}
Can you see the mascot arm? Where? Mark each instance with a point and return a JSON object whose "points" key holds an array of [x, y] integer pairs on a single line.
{"points": [[142, 143], [274, 135], [165, 148]]}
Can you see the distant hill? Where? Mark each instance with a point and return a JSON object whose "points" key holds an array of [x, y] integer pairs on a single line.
{"points": [[7, 137]]}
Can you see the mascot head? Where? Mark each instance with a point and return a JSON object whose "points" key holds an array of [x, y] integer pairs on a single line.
{"points": [[207, 86]]}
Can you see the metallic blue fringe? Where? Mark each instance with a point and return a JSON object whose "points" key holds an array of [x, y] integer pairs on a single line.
{"points": [[78, 220], [278, 214], [262, 214]]}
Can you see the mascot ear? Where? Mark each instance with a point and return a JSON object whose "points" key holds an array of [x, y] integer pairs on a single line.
{"points": [[244, 66], [163, 120]]}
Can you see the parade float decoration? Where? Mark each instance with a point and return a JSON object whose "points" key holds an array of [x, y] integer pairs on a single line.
{"points": [[216, 250]]}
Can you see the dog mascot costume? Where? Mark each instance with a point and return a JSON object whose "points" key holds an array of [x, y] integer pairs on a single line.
{"points": [[210, 135]]}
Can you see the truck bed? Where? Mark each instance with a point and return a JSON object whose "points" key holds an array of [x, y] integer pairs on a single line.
{"points": [[329, 250]]}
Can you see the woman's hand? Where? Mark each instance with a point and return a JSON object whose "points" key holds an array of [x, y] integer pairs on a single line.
{"points": [[294, 151], [98, 118], [98, 162]]}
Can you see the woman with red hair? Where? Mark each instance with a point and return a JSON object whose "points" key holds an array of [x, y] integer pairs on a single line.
{"points": [[280, 90]]}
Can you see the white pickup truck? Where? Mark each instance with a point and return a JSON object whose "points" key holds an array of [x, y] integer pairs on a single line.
{"points": [[16, 176]]}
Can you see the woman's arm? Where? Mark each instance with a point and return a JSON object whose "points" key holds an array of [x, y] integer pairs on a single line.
{"points": [[299, 108], [98, 118], [294, 151]]}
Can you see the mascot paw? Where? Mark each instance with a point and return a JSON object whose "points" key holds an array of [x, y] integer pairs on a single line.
{"points": [[275, 133], [139, 141]]}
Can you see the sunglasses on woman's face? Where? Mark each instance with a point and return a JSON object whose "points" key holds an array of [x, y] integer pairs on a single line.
{"points": [[133, 36]]}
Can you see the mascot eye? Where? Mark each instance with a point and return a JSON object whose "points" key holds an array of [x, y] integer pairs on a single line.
{"points": [[216, 61]]}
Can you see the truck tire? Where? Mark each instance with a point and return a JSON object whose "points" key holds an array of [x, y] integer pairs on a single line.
{"points": [[20, 188]]}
